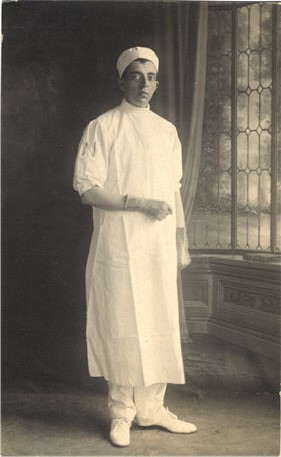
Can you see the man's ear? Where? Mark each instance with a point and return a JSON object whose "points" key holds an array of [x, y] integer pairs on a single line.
{"points": [[157, 84]]}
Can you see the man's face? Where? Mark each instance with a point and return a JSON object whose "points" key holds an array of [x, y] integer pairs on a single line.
{"points": [[139, 83]]}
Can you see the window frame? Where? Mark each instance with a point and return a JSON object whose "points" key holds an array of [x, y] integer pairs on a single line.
{"points": [[275, 120]]}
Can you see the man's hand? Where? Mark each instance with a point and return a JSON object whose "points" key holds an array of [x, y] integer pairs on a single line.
{"points": [[157, 209]]}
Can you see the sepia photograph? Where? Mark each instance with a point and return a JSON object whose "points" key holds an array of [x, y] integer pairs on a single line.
{"points": [[141, 228]]}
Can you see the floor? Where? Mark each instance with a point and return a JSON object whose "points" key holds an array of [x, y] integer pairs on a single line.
{"points": [[231, 394]]}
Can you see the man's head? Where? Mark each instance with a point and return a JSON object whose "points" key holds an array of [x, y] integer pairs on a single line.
{"points": [[138, 69]]}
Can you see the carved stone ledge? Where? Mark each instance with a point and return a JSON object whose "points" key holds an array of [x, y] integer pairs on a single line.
{"points": [[235, 300], [260, 300]]}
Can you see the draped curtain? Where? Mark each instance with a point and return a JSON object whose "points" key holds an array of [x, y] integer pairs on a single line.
{"points": [[181, 42], [193, 143]]}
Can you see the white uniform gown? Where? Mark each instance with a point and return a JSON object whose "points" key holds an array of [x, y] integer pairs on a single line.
{"points": [[131, 276]]}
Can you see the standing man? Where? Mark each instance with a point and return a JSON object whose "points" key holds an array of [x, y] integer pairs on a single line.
{"points": [[128, 168]]}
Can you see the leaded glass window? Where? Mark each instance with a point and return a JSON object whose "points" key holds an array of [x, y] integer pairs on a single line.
{"points": [[237, 205]]}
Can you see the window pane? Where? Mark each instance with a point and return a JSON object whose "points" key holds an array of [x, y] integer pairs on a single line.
{"points": [[242, 151], [253, 192], [265, 107], [266, 62], [254, 124], [254, 152], [243, 21], [254, 110], [242, 190], [254, 28], [265, 150], [254, 70], [211, 221], [212, 215], [266, 25], [242, 111]]}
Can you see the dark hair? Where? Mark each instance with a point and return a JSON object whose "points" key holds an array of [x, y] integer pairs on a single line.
{"points": [[124, 74]]}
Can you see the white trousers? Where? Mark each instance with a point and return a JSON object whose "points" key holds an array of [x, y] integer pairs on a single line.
{"points": [[127, 402]]}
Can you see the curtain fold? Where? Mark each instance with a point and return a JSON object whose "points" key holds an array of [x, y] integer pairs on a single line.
{"points": [[180, 40], [192, 154]]}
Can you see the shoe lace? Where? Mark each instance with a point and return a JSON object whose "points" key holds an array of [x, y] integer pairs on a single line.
{"points": [[121, 425]]}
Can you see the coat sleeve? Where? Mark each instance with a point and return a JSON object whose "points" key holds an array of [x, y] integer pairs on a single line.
{"points": [[91, 165]]}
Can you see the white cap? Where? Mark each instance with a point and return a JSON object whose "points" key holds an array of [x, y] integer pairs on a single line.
{"points": [[128, 56]]}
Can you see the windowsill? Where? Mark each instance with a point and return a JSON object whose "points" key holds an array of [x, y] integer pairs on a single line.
{"points": [[235, 260]]}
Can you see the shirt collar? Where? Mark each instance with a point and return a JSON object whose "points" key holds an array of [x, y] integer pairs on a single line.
{"points": [[130, 107]]}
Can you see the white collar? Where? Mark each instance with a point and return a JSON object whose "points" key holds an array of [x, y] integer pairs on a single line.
{"points": [[130, 107]]}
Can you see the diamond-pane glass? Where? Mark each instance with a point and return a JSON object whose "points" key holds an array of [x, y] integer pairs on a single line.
{"points": [[211, 222], [213, 218], [254, 123]]}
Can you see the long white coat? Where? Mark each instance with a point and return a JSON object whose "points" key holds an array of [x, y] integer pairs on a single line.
{"points": [[131, 277]]}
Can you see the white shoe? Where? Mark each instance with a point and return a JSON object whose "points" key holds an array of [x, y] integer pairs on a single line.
{"points": [[164, 418], [120, 432]]}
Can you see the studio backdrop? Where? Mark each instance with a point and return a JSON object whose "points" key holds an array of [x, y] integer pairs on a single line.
{"points": [[58, 71]]}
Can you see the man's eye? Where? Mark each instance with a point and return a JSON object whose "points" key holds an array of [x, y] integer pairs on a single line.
{"points": [[135, 77], [139, 77]]}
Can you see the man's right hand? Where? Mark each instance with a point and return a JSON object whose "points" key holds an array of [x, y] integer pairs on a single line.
{"points": [[156, 209]]}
